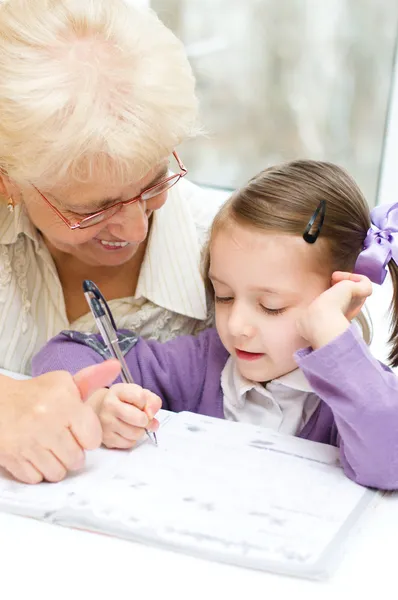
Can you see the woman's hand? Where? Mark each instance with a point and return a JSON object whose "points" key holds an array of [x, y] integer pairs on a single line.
{"points": [[45, 426], [329, 315], [125, 411]]}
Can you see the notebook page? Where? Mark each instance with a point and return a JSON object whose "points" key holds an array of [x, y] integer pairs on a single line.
{"points": [[226, 491], [220, 490]]}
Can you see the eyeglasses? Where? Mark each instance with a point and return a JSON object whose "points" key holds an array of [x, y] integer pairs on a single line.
{"points": [[107, 213]]}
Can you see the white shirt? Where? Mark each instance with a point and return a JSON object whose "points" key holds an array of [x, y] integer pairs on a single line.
{"points": [[285, 404], [170, 296]]}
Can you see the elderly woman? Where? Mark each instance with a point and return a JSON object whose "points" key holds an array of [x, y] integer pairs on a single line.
{"points": [[94, 99]]}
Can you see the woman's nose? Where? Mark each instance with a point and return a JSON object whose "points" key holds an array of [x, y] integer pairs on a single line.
{"points": [[130, 223]]}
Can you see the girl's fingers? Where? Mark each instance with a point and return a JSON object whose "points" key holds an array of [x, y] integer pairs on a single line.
{"points": [[135, 396], [154, 425], [126, 436], [114, 440], [362, 284], [153, 404], [344, 275], [130, 414], [338, 276], [131, 432], [128, 432], [130, 393]]}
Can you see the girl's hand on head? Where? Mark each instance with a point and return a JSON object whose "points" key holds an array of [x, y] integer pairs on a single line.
{"points": [[349, 292], [125, 411], [329, 315]]}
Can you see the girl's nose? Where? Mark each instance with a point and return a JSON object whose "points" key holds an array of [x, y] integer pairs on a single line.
{"points": [[239, 323]]}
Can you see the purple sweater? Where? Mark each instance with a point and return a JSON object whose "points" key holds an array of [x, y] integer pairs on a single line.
{"points": [[359, 396]]}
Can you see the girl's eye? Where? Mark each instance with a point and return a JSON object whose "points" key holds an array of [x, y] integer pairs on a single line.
{"points": [[273, 311], [223, 299]]}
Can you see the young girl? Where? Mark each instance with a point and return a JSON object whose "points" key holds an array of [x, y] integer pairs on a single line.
{"points": [[285, 354]]}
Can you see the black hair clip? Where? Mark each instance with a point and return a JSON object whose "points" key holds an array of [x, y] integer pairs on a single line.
{"points": [[320, 211]]}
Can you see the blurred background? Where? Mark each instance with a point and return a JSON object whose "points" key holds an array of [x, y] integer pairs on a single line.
{"points": [[282, 79]]}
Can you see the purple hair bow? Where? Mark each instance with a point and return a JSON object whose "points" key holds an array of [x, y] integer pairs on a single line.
{"points": [[381, 243]]}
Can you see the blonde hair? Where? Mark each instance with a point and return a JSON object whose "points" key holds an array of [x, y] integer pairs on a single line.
{"points": [[89, 85], [283, 198]]}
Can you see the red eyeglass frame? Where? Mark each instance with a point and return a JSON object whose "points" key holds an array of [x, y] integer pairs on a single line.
{"points": [[78, 224]]}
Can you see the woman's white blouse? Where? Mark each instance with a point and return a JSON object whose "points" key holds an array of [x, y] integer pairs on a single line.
{"points": [[170, 295]]}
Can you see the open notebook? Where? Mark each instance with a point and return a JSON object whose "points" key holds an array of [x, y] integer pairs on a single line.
{"points": [[216, 489]]}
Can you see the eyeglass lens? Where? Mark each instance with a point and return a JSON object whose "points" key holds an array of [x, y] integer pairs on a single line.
{"points": [[159, 189]]}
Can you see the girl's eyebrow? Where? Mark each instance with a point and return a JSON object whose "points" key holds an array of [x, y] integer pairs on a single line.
{"points": [[260, 289], [214, 278], [265, 290]]}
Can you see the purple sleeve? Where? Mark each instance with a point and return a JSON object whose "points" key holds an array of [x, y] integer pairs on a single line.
{"points": [[176, 370], [363, 396]]}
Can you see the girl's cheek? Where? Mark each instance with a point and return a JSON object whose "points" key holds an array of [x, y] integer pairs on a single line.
{"points": [[281, 330]]}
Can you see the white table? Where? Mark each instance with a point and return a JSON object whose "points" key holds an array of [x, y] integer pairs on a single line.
{"points": [[43, 561]]}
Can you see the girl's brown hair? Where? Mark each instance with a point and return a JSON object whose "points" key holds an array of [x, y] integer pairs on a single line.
{"points": [[283, 198]]}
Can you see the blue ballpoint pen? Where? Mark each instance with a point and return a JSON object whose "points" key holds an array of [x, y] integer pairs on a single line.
{"points": [[107, 328]]}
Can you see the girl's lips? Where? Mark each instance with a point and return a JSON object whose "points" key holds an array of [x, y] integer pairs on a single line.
{"points": [[248, 355]]}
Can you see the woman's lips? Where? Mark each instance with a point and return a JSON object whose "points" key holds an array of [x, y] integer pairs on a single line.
{"points": [[248, 355]]}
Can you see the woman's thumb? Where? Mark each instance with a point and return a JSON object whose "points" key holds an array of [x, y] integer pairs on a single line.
{"points": [[90, 379]]}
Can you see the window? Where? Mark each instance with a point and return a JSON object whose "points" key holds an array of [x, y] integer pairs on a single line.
{"points": [[283, 79]]}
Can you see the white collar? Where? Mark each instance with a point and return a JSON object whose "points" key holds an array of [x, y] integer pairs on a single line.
{"points": [[13, 224], [294, 380], [170, 273], [285, 404]]}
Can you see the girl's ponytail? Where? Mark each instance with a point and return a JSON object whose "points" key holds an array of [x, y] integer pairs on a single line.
{"points": [[393, 355]]}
